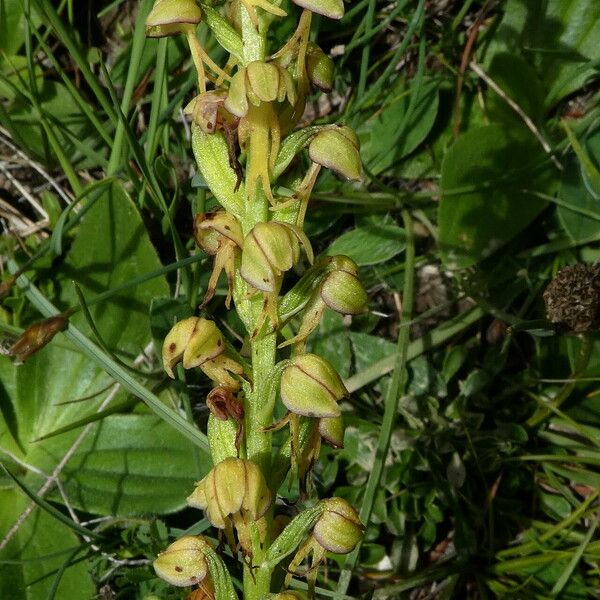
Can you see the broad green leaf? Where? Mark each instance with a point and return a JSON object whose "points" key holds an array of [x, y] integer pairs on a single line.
{"points": [[559, 38], [111, 247], [391, 133], [68, 121], [43, 545], [371, 243], [518, 80], [331, 342], [574, 192], [130, 464], [486, 178], [368, 349], [12, 26]]}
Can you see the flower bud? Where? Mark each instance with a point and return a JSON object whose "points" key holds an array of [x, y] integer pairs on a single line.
{"points": [[339, 529], [171, 17], [204, 109], [232, 486], [183, 563], [212, 230], [263, 80], [311, 387], [344, 293], [319, 67], [337, 149], [176, 342], [34, 338], [193, 340], [199, 343], [237, 100], [334, 9], [269, 250], [332, 431], [220, 235]]}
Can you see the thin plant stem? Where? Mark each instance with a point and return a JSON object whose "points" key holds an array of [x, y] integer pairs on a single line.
{"points": [[392, 399]]}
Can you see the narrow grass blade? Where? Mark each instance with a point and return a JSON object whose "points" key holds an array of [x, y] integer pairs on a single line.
{"points": [[392, 399], [437, 336], [53, 512], [117, 372]]}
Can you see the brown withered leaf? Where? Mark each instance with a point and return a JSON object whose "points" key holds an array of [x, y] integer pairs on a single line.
{"points": [[37, 336]]}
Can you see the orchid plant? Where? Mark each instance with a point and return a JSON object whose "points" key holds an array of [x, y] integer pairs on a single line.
{"points": [[248, 149]]}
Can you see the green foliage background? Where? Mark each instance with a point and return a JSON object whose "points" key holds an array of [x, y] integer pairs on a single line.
{"points": [[495, 152]]}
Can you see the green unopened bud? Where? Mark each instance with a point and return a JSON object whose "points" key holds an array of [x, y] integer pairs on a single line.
{"points": [[287, 87], [343, 292], [237, 100], [288, 595], [183, 563], [311, 387], [263, 80], [340, 289], [171, 17], [319, 67], [332, 431], [339, 529], [232, 486], [334, 9], [337, 149], [269, 250], [293, 534]]}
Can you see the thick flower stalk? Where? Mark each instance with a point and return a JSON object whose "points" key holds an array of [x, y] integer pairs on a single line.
{"points": [[262, 169]]}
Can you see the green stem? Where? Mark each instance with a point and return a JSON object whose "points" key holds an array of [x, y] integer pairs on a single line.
{"points": [[258, 405]]}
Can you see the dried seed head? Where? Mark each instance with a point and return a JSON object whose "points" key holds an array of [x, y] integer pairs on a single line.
{"points": [[234, 486], [573, 297], [36, 337], [339, 529], [337, 149], [172, 17], [311, 387], [183, 562]]}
